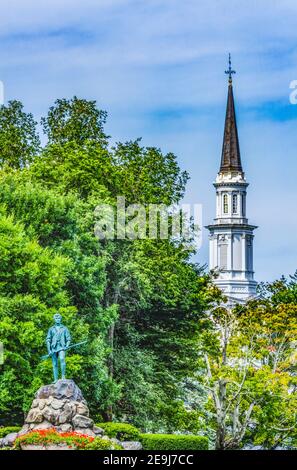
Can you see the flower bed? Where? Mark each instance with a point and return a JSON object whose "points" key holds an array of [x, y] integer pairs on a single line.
{"points": [[50, 437]]}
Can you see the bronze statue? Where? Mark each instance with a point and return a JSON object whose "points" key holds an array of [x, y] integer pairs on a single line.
{"points": [[58, 341]]}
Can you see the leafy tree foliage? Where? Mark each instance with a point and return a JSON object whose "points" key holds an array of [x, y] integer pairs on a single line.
{"points": [[72, 168], [32, 281], [247, 368], [19, 141], [63, 224], [76, 120], [145, 175]]}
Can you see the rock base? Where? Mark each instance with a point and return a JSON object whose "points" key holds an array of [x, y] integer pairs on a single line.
{"points": [[61, 406]]}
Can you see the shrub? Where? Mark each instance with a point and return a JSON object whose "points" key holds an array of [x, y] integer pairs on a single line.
{"points": [[100, 444], [74, 440], [173, 442], [121, 431], [8, 430]]}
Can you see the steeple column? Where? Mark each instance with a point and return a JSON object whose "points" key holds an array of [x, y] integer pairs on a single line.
{"points": [[243, 252], [230, 252]]}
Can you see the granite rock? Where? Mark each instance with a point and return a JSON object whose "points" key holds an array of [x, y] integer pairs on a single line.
{"points": [[57, 404], [65, 427], [61, 406], [8, 440], [62, 389], [80, 421], [51, 415], [82, 409], [64, 417], [34, 416], [44, 425], [131, 445], [98, 431]]}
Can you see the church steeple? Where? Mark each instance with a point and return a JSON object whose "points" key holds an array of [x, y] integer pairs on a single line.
{"points": [[230, 235], [230, 160]]}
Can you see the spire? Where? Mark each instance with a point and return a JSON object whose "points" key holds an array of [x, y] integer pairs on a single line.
{"points": [[230, 153]]}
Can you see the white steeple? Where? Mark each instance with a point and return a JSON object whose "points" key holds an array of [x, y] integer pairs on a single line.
{"points": [[231, 236]]}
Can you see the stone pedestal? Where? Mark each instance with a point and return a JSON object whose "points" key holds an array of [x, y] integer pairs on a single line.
{"points": [[61, 406]]}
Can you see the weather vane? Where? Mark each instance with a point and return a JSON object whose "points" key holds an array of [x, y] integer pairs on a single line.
{"points": [[230, 71]]}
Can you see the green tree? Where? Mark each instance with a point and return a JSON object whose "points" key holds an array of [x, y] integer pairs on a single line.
{"points": [[161, 298], [19, 141], [70, 167], [64, 224], [246, 368], [146, 175], [76, 120], [32, 288]]}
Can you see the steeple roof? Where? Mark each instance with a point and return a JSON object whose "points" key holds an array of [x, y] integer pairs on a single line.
{"points": [[230, 160]]}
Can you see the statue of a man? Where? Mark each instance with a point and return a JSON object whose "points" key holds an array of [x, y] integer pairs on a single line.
{"points": [[57, 341]]}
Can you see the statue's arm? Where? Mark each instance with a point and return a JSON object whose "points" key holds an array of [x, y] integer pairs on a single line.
{"points": [[49, 341]]}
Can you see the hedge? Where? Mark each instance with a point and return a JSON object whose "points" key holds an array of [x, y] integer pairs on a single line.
{"points": [[121, 431], [173, 442], [8, 430]]}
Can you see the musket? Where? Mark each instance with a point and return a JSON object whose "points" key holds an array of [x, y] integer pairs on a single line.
{"points": [[66, 349]]}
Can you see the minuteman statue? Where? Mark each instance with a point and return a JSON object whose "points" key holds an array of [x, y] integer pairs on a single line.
{"points": [[58, 341]]}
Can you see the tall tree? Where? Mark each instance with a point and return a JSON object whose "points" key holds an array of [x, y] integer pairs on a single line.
{"points": [[32, 288], [64, 224], [76, 120], [19, 141], [71, 167], [161, 310], [246, 368], [146, 175]]}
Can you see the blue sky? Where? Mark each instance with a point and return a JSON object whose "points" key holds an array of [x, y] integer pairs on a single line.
{"points": [[157, 67]]}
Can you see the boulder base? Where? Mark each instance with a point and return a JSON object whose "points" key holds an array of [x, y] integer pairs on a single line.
{"points": [[60, 390], [60, 405]]}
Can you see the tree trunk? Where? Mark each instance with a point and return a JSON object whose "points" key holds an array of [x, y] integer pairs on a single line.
{"points": [[220, 436], [221, 416]]}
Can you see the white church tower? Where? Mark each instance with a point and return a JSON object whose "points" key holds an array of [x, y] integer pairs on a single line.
{"points": [[231, 236]]}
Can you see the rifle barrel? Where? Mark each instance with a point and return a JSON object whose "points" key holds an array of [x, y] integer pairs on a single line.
{"points": [[66, 349]]}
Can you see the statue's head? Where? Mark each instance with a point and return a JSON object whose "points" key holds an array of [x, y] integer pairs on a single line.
{"points": [[58, 319]]}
